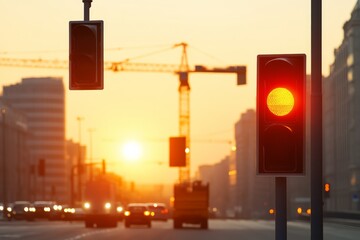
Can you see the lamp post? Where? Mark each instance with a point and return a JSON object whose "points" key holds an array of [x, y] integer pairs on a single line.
{"points": [[3, 111], [91, 130], [79, 162]]}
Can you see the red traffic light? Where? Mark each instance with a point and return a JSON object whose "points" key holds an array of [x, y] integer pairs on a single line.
{"points": [[281, 114], [280, 101], [86, 65]]}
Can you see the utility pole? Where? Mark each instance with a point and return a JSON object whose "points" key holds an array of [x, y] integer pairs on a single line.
{"points": [[91, 130], [316, 122], [79, 163], [3, 113]]}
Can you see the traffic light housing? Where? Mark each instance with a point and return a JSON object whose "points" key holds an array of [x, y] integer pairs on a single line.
{"points": [[327, 190], [86, 57], [281, 114], [177, 152]]}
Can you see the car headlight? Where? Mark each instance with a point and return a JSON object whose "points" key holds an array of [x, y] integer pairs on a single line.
{"points": [[87, 205], [26, 209], [9, 209], [107, 205], [119, 209], [147, 213], [57, 207], [127, 213], [47, 209]]}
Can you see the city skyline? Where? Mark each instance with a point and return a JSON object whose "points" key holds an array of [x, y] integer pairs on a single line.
{"points": [[144, 106]]}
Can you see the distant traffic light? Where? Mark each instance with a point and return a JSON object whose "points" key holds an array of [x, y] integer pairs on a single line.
{"points": [[281, 114], [326, 190], [86, 65], [41, 167], [177, 152]]}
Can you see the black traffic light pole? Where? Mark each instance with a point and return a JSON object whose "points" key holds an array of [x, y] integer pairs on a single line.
{"points": [[280, 209], [87, 6], [316, 123]]}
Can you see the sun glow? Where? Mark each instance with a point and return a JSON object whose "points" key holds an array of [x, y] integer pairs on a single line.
{"points": [[132, 151]]}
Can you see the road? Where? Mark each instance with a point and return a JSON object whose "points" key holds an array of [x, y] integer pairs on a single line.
{"points": [[218, 230]]}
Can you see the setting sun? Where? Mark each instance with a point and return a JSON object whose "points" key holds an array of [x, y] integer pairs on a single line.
{"points": [[131, 151]]}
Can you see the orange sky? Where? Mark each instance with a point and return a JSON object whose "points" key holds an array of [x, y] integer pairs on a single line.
{"points": [[144, 106]]}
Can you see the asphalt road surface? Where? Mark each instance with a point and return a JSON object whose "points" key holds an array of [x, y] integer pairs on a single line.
{"points": [[218, 230]]}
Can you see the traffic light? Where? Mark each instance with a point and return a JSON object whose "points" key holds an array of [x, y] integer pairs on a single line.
{"points": [[326, 190], [41, 167], [177, 152], [281, 114], [86, 57]]}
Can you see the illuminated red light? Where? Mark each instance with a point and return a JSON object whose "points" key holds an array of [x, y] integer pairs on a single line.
{"points": [[280, 101]]}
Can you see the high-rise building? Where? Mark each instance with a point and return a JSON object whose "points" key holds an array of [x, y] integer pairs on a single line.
{"points": [[341, 121], [15, 166], [254, 194], [42, 101]]}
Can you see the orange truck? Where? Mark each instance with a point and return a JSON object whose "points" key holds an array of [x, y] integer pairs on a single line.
{"points": [[100, 203], [191, 204]]}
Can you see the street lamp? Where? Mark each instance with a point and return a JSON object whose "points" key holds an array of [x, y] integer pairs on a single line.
{"points": [[80, 170], [3, 111], [91, 130]]}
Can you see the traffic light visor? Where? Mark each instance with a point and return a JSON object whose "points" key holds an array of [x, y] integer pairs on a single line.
{"points": [[280, 101]]}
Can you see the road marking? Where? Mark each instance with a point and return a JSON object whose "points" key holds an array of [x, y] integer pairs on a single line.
{"points": [[88, 234]]}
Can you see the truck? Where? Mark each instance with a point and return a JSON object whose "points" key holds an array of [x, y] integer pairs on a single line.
{"points": [[100, 203], [191, 204]]}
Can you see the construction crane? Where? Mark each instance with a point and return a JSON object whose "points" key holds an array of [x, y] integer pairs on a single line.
{"points": [[181, 70]]}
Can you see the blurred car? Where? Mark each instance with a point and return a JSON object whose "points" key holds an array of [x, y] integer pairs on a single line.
{"points": [[137, 214], [7, 210], [73, 213], [120, 211], [43, 209], [21, 210], [159, 211], [56, 212]]}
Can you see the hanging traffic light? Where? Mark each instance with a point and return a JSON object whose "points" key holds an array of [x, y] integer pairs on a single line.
{"points": [[281, 114], [86, 61], [177, 152]]}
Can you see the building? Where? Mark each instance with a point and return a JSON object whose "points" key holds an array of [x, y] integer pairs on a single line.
{"points": [[77, 176], [217, 177], [42, 101], [254, 195], [341, 121], [15, 165]]}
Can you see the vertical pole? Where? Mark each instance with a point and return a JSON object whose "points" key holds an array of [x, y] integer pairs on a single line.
{"points": [[280, 208], [91, 130], [3, 112], [43, 187], [316, 122], [87, 5], [103, 162], [80, 167], [72, 199]]}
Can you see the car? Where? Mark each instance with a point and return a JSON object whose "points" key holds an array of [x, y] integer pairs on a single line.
{"points": [[137, 214], [8, 211], [22, 210], [43, 209], [159, 211], [56, 212], [120, 211]]}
